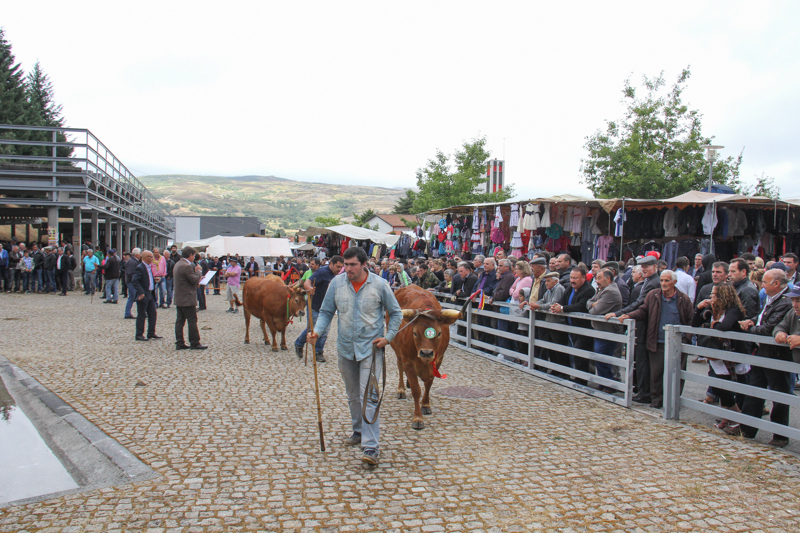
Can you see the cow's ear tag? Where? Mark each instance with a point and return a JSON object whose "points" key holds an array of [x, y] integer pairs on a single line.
{"points": [[430, 333]]}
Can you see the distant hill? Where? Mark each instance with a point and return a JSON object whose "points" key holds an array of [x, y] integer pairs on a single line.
{"points": [[277, 202]]}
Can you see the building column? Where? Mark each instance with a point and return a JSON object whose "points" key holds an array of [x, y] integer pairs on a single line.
{"points": [[95, 232], [52, 226], [127, 238], [108, 239], [119, 240], [77, 238]]}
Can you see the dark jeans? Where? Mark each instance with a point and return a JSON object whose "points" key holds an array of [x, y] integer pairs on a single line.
{"points": [[64, 277], [131, 300], [50, 284], [201, 297], [579, 363], [17, 278], [656, 360], [604, 347], [4, 278], [558, 357], [146, 307], [301, 340], [38, 280], [777, 381], [26, 281], [182, 316]]}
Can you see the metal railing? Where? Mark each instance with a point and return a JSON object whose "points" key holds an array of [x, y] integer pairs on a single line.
{"points": [[533, 362], [92, 177], [675, 349]]}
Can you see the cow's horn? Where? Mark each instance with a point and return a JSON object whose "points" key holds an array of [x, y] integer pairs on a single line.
{"points": [[451, 313], [409, 313]]}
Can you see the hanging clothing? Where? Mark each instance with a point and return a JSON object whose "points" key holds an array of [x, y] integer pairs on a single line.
{"points": [[514, 218], [619, 218], [709, 219]]}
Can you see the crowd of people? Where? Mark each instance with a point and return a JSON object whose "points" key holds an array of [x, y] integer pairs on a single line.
{"points": [[748, 294]]}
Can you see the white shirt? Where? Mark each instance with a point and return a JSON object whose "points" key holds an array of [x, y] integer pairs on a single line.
{"points": [[686, 284]]}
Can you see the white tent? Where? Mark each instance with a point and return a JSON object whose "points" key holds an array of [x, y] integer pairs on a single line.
{"points": [[244, 246], [302, 246], [354, 232]]}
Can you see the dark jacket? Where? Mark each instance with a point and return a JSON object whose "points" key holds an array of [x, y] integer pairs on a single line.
{"points": [[112, 267], [608, 300], [141, 281], [130, 269], [651, 310], [66, 263], [467, 287], [624, 290], [579, 303], [489, 280], [50, 261], [186, 282], [170, 268], [563, 277], [773, 315], [648, 285], [748, 294], [38, 260], [504, 284], [705, 278]]}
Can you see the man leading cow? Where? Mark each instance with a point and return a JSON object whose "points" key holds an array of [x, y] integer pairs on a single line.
{"points": [[361, 299]]}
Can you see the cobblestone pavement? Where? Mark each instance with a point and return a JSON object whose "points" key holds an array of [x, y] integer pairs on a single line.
{"points": [[232, 432]]}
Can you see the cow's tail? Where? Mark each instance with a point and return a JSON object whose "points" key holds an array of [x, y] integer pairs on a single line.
{"points": [[236, 299]]}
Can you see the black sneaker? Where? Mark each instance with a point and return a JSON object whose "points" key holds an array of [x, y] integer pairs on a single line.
{"points": [[320, 357], [370, 456], [299, 351], [354, 439], [778, 442]]}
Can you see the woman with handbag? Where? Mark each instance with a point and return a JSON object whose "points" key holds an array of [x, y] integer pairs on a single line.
{"points": [[724, 315]]}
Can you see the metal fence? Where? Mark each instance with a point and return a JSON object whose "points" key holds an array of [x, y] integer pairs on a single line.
{"points": [[675, 349], [464, 335]]}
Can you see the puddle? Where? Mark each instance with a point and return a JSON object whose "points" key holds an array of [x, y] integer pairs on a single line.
{"points": [[28, 467]]}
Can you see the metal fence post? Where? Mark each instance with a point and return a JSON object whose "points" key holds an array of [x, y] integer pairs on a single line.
{"points": [[468, 329], [672, 371], [531, 338], [630, 348]]}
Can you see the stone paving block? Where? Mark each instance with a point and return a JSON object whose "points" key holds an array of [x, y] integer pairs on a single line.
{"points": [[232, 432]]}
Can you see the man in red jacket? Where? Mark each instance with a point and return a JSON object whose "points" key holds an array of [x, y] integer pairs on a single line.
{"points": [[661, 307]]}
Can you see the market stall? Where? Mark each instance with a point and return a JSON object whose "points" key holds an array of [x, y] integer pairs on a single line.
{"points": [[334, 240]]}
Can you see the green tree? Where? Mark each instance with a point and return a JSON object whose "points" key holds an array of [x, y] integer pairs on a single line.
{"points": [[14, 106], [327, 221], [764, 186], [40, 95], [654, 151], [440, 187], [405, 204], [362, 219]]}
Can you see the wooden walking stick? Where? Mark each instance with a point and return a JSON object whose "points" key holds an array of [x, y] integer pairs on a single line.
{"points": [[316, 379]]}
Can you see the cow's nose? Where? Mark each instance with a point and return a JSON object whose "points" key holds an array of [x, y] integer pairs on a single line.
{"points": [[425, 354]]}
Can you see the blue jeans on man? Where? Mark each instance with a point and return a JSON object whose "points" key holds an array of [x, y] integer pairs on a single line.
{"points": [[112, 290], [604, 347], [355, 375], [301, 340], [37, 280], [170, 291], [161, 292], [50, 282], [131, 301], [88, 282]]}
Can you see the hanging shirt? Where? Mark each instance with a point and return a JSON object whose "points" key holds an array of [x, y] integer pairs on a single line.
{"points": [[620, 220]]}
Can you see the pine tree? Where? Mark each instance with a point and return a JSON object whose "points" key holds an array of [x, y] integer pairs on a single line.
{"points": [[40, 96], [14, 106]]}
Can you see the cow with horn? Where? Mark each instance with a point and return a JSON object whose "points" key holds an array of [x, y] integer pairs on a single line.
{"points": [[420, 345]]}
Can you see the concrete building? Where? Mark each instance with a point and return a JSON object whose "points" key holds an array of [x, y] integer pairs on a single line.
{"points": [[66, 185], [495, 172], [192, 228], [391, 223]]}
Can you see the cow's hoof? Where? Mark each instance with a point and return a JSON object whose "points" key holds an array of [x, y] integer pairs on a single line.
{"points": [[284, 348], [418, 424], [426, 410], [274, 349], [401, 395], [247, 342]]}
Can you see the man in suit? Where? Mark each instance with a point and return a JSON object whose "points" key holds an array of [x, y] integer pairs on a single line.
{"points": [[201, 289], [144, 283], [64, 265], [186, 277], [252, 268], [575, 300]]}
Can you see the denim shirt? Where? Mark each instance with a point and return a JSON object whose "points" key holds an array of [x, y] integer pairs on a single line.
{"points": [[361, 315]]}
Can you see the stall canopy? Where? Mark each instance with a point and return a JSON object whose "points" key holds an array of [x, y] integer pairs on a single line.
{"points": [[301, 246], [244, 246], [353, 232]]}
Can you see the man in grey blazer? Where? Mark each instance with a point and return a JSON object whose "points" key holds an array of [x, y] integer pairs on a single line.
{"points": [[186, 277]]}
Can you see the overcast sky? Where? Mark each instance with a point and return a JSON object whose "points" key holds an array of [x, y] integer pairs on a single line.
{"points": [[365, 93]]}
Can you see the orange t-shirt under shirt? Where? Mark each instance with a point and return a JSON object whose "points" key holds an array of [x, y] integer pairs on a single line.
{"points": [[357, 286]]}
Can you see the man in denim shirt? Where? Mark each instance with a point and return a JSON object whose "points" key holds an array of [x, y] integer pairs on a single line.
{"points": [[361, 299]]}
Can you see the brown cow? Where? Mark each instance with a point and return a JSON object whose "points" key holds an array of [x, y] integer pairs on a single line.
{"points": [[274, 304], [420, 347]]}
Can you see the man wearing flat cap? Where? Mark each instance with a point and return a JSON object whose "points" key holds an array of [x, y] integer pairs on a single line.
{"points": [[641, 359]]}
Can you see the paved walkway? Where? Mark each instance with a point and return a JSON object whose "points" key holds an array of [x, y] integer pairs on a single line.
{"points": [[232, 433]]}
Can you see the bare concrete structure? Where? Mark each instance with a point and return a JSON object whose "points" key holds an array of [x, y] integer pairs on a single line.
{"points": [[70, 188]]}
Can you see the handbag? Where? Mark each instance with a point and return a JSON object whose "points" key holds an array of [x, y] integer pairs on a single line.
{"points": [[505, 310]]}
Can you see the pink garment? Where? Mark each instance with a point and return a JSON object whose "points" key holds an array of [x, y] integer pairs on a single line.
{"points": [[519, 284], [159, 267], [603, 243]]}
